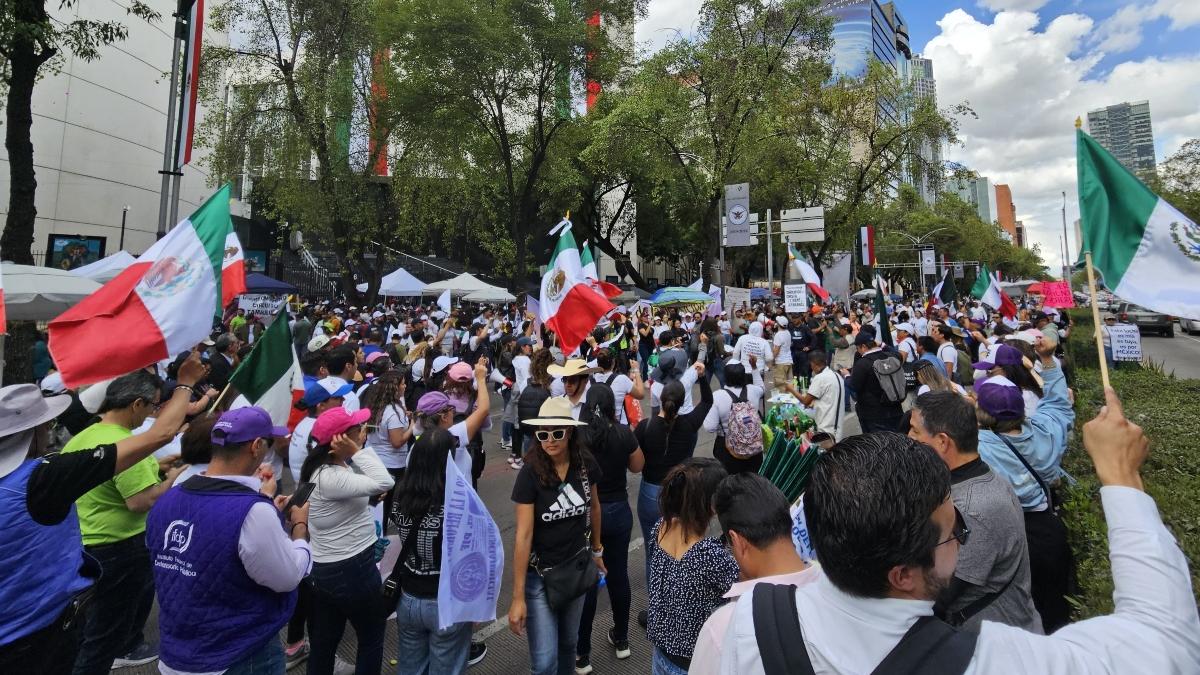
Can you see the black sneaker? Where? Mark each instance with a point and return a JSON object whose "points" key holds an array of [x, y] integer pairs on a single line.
{"points": [[478, 651], [643, 618], [583, 665], [622, 646]]}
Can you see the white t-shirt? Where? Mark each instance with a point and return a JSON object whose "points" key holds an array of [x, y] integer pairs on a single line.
{"points": [[826, 387], [924, 389], [393, 417], [1031, 402], [749, 345], [520, 365], [621, 385], [350, 401], [298, 446], [340, 520], [717, 419], [725, 327], [783, 340], [947, 354], [921, 326], [909, 347], [462, 456], [688, 379]]}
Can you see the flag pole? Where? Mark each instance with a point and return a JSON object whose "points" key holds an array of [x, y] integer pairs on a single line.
{"points": [[1091, 273], [219, 398]]}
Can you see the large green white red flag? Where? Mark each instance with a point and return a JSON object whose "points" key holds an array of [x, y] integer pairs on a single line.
{"points": [[569, 305], [270, 376], [1146, 250], [160, 306]]}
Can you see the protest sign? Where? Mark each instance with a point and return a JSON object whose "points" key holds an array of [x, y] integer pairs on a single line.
{"points": [[801, 538], [1126, 342], [736, 298], [472, 554], [262, 305], [795, 298], [1057, 294]]}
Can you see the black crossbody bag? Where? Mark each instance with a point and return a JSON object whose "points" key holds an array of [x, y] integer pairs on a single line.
{"points": [[571, 578]]}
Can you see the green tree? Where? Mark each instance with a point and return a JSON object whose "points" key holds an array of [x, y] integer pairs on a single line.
{"points": [[1177, 179]]}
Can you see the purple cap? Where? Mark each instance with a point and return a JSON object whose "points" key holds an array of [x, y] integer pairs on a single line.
{"points": [[242, 425], [433, 403], [1002, 355], [336, 421], [1000, 398]]}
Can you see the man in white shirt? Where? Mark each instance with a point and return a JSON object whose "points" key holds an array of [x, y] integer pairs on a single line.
{"points": [[826, 395], [754, 352], [904, 342], [781, 350], [343, 364], [946, 352], [920, 323], [872, 592], [725, 326]]}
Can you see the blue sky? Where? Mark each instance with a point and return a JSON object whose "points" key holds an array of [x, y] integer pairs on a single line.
{"points": [[1028, 68]]}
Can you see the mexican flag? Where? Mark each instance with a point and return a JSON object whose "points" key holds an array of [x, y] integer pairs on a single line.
{"points": [[270, 376], [881, 294], [998, 300], [569, 304], [806, 272], [160, 306], [233, 269], [1146, 250], [982, 282], [589, 272]]}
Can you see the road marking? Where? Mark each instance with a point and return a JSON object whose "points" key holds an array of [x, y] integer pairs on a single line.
{"points": [[502, 623]]}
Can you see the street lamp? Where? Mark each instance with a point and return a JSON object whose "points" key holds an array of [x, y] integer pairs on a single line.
{"points": [[124, 215], [917, 241]]}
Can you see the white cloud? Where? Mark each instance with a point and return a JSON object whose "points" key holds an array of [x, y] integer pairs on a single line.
{"points": [[666, 19], [1122, 31], [1006, 5], [1028, 83]]}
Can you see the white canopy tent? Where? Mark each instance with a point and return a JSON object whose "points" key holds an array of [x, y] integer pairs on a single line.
{"points": [[463, 284], [106, 269], [42, 293], [493, 294], [400, 284]]}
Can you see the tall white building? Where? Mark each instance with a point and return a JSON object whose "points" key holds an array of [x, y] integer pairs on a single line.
{"points": [[98, 130], [930, 154], [977, 192]]}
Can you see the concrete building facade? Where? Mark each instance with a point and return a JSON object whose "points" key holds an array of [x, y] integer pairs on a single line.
{"points": [[98, 131], [1125, 130], [1006, 213], [977, 192]]}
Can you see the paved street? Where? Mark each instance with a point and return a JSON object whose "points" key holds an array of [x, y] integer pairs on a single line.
{"points": [[507, 653], [1180, 354]]}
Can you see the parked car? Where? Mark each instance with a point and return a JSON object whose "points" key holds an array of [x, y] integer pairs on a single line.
{"points": [[1146, 320], [1189, 325]]}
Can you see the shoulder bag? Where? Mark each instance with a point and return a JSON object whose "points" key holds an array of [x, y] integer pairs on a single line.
{"points": [[390, 593], [571, 578]]}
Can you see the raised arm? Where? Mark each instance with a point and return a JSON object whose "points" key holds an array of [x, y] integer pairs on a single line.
{"points": [[483, 404]]}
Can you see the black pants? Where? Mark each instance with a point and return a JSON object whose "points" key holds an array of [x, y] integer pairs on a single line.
{"points": [[115, 617], [1051, 568], [299, 621], [49, 651], [733, 464], [870, 423], [390, 497]]}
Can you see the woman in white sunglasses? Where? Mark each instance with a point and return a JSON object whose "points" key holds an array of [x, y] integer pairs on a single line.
{"points": [[558, 520]]}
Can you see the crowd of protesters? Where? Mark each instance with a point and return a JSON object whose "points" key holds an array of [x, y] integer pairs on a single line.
{"points": [[938, 541]]}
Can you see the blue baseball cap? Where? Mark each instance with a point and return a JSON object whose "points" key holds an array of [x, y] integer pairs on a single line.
{"points": [[324, 389], [241, 425]]}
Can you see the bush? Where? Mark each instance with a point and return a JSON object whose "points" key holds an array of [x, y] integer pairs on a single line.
{"points": [[1168, 410]]}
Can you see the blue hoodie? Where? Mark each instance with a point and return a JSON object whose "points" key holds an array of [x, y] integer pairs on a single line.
{"points": [[1042, 441]]}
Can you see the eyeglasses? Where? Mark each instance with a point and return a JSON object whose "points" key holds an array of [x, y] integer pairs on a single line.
{"points": [[550, 435], [960, 532]]}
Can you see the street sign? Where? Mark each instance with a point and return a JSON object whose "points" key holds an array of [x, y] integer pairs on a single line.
{"points": [[752, 228], [800, 226], [959, 270], [928, 261], [737, 215]]}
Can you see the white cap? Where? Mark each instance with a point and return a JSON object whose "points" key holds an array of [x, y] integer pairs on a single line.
{"points": [[317, 343], [781, 320], [443, 362], [906, 327], [376, 314]]}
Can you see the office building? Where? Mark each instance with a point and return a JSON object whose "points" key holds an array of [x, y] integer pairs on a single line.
{"points": [[929, 155], [865, 29], [977, 192], [1126, 131], [1006, 213], [1020, 236], [98, 131]]}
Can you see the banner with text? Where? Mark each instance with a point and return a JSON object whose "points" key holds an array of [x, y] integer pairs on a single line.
{"points": [[264, 306], [1126, 341], [795, 298], [736, 298], [1057, 294]]}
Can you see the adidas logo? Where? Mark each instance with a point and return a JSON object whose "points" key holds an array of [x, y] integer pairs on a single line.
{"points": [[568, 505]]}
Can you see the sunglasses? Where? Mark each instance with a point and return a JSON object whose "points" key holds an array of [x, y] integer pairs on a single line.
{"points": [[550, 435], [960, 532]]}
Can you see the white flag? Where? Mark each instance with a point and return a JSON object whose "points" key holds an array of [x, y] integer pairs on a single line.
{"points": [[443, 301], [472, 554]]}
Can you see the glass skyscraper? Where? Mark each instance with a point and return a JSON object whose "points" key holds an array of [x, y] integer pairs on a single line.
{"points": [[864, 29]]}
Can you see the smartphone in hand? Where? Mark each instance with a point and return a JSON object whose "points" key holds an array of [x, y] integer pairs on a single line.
{"points": [[300, 497]]}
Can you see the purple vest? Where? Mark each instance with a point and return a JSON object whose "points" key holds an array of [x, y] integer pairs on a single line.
{"points": [[211, 613]]}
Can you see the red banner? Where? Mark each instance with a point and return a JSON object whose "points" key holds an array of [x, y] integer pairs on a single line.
{"points": [[1057, 294]]}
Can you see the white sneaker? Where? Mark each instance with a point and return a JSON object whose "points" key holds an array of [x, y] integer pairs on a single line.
{"points": [[342, 666]]}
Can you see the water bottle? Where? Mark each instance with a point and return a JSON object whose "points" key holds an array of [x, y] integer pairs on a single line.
{"points": [[602, 583]]}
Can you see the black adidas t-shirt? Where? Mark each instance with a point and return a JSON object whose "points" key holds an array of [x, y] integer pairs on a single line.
{"points": [[560, 512]]}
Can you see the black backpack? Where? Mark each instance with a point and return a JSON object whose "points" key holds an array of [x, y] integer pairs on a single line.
{"points": [[930, 647]]}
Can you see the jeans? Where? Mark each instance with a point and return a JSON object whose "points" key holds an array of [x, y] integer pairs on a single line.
{"points": [[647, 507], [346, 590], [424, 649], [552, 635], [114, 619], [661, 665], [616, 526], [267, 661]]}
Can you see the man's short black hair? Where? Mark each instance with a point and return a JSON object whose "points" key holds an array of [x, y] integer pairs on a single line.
{"points": [[947, 412], [817, 358], [927, 344], [337, 360], [750, 505], [311, 363], [869, 507]]}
